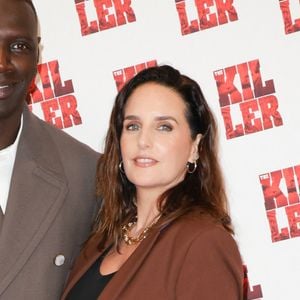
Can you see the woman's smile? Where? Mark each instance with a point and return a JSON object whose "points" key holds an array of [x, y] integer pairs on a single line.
{"points": [[144, 162]]}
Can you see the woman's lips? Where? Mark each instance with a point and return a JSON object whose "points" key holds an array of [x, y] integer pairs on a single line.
{"points": [[144, 162]]}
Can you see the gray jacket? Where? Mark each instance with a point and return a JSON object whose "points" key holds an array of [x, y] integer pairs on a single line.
{"points": [[50, 208]]}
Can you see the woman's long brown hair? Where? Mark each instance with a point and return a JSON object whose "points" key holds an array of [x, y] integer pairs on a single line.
{"points": [[203, 190]]}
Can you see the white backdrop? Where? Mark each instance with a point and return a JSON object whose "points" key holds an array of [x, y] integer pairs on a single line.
{"points": [[245, 56]]}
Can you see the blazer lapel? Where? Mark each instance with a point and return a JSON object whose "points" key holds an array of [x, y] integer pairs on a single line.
{"points": [[38, 189], [129, 269], [114, 288], [83, 262]]}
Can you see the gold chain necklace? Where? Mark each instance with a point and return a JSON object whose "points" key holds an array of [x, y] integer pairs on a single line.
{"points": [[129, 240]]}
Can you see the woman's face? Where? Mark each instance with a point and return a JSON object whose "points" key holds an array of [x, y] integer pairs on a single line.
{"points": [[156, 141]]}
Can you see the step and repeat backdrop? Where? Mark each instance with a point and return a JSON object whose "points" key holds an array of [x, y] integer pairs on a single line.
{"points": [[245, 56]]}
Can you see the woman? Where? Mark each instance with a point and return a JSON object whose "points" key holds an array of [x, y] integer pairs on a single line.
{"points": [[163, 231]]}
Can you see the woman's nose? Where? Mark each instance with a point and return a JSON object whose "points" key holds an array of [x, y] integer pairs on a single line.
{"points": [[145, 139]]}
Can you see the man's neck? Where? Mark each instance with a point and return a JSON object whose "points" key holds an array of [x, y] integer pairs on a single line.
{"points": [[9, 128]]}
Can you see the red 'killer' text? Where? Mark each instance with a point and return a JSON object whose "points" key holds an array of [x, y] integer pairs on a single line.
{"points": [[123, 75], [110, 14], [56, 98], [251, 293], [290, 25], [281, 195], [210, 13], [254, 101]]}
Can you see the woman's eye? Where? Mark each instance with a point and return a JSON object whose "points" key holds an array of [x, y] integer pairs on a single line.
{"points": [[165, 127], [132, 127]]}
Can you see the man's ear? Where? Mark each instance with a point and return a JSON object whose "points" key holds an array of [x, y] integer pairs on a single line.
{"points": [[38, 56]]}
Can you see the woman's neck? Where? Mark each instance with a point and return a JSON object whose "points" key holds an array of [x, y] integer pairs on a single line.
{"points": [[147, 210]]}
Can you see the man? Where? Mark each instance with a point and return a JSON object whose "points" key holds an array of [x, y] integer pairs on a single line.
{"points": [[47, 188]]}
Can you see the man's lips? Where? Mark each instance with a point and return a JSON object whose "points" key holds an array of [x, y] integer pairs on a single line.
{"points": [[6, 90], [144, 162]]}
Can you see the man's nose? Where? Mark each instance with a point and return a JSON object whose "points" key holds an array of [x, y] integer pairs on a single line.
{"points": [[5, 62]]}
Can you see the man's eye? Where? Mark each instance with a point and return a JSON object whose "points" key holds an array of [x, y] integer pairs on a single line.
{"points": [[20, 46]]}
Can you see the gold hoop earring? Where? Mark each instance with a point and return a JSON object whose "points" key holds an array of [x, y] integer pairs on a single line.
{"points": [[191, 167], [121, 168]]}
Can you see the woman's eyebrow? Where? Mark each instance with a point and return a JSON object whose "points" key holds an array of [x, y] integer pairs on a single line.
{"points": [[131, 117], [166, 118], [158, 118]]}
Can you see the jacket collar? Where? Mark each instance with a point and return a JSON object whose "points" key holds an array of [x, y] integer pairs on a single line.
{"points": [[117, 284]]}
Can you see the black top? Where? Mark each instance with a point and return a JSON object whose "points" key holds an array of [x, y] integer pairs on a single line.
{"points": [[92, 283]]}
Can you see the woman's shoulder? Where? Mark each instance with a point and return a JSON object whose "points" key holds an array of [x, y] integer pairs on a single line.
{"points": [[197, 233], [197, 220], [197, 225]]}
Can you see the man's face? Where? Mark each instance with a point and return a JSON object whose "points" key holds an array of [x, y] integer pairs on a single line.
{"points": [[18, 54]]}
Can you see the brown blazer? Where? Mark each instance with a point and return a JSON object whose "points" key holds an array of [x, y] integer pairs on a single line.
{"points": [[50, 206], [193, 258]]}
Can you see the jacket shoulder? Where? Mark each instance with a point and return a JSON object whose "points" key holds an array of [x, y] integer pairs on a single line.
{"points": [[209, 247], [65, 143], [195, 225]]}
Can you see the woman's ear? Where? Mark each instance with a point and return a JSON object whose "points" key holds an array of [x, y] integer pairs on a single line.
{"points": [[194, 155]]}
